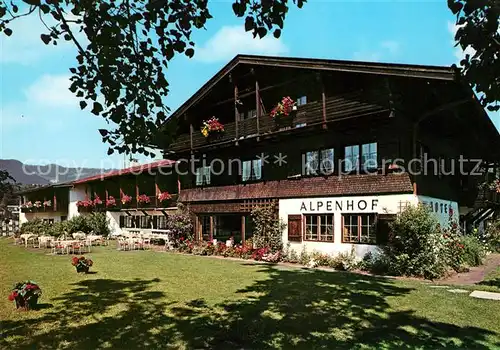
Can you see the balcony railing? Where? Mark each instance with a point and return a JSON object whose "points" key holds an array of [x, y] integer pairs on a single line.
{"points": [[338, 107], [60, 207], [154, 203]]}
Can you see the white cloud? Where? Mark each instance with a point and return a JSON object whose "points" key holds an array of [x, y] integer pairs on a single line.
{"points": [[459, 53], [391, 45], [383, 50], [51, 91], [232, 40], [25, 47]]}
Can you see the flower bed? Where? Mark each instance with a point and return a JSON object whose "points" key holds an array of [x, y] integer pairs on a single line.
{"points": [[25, 294]]}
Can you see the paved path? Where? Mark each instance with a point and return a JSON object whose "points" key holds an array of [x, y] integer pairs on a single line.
{"points": [[476, 274]]}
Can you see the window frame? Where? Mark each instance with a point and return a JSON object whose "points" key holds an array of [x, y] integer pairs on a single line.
{"points": [[361, 154], [301, 100], [319, 152], [318, 225], [203, 176], [252, 177], [359, 227]]}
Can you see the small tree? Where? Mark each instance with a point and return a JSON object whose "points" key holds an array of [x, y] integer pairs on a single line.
{"points": [[181, 223], [416, 246], [269, 228]]}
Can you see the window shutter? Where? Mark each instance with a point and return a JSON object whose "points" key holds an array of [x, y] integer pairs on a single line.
{"points": [[295, 228], [122, 221]]}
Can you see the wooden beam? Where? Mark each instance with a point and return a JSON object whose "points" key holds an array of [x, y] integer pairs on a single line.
{"points": [[243, 229], [443, 107], [257, 105], [323, 98], [191, 130], [236, 114], [211, 228]]}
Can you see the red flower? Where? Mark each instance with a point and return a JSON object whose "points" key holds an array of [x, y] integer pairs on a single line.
{"points": [[13, 296], [181, 239]]}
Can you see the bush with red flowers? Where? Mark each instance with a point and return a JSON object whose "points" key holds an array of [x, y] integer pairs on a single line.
{"points": [[82, 264], [25, 294]]}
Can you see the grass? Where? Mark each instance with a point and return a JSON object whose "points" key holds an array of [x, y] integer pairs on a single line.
{"points": [[492, 279], [160, 300]]}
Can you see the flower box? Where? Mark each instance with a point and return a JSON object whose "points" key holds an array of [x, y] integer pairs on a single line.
{"points": [[212, 129]]}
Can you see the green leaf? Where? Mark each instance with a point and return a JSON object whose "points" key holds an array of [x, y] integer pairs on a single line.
{"points": [[189, 52], [83, 104], [45, 38], [7, 31], [97, 108]]}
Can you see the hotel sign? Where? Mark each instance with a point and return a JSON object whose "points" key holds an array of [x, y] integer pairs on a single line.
{"points": [[343, 205]]}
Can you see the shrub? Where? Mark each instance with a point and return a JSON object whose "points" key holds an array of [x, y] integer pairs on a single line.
{"points": [[377, 263], [268, 230], [78, 223], [345, 261], [36, 226], [99, 223], [304, 257], [321, 259], [416, 246], [290, 255], [180, 224], [57, 229], [474, 251], [492, 236]]}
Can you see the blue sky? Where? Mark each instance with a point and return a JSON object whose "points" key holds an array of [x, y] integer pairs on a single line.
{"points": [[41, 121]]}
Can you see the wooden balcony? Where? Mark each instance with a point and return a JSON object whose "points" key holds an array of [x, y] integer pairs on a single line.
{"points": [[59, 207], [154, 203], [337, 108]]}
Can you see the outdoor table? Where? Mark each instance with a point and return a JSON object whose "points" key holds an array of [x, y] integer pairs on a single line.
{"points": [[26, 236]]}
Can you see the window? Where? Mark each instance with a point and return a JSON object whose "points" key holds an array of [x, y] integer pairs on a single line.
{"points": [[205, 227], [302, 100], [319, 228], [251, 170], [162, 222], [203, 176], [294, 228], [359, 228], [369, 155], [248, 114], [351, 158], [322, 160]]}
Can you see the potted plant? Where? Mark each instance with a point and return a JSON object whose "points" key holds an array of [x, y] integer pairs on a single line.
{"points": [[143, 199], [111, 202], [97, 201], [212, 128], [47, 204], [164, 196], [37, 204], [27, 207], [82, 264], [25, 294], [126, 199], [85, 205], [283, 112]]}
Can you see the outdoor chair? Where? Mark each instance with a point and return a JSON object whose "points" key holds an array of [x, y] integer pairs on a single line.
{"points": [[58, 248]]}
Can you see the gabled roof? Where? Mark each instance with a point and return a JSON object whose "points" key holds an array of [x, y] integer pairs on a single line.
{"points": [[132, 170], [390, 69]]}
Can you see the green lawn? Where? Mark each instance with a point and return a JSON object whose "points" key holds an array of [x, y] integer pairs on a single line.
{"points": [[493, 279], [161, 300]]}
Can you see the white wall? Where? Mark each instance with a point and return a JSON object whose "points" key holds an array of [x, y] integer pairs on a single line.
{"points": [[76, 193], [114, 222], [389, 204], [386, 204]]}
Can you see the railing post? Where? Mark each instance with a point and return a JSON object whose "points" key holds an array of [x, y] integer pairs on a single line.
{"points": [[236, 114], [257, 107]]}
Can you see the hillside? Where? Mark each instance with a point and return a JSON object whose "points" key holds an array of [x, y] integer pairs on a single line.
{"points": [[44, 174]]}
